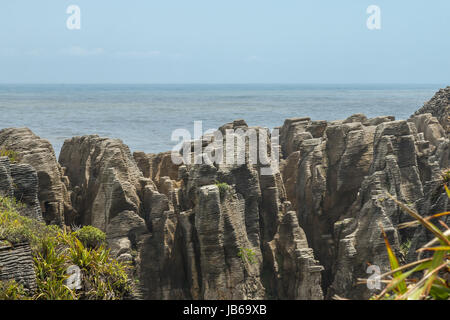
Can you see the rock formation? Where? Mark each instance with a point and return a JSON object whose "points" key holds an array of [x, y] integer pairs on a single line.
{"points": [[185, 235], [439, 107], [16, 263], [21, 182], [38, 153], [342, 179]]}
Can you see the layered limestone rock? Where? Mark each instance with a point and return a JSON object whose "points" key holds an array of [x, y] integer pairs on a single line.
{"points": [[341, 183], [231, 210], [53, 195], [16, 263], [394, 170], [106, 191], [20, 181], [439, 107], [211, 234], [111, 193], [161, 169], [329, 172]]}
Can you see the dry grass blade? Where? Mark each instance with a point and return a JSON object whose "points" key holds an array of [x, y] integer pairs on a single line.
{"points": [[401, 286], [447, 190], [419, 286], [416, 223], [441, 248], [406, 266]]}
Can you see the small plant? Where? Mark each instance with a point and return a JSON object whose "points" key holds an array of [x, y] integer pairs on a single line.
{"points": [[11, 290], [54, 251], [247, 255], [12, 155], [223, 188], [404, 247], [15, 228], [90, 236]]}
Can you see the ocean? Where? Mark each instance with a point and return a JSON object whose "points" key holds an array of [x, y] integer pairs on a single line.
{"points": [[144, 116]]}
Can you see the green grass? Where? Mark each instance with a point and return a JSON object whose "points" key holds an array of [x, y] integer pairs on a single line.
{"points": [[91, 237], [247, 255], [223, 188], [12, 155], [54, 250], [404, 247], [11, 290]]}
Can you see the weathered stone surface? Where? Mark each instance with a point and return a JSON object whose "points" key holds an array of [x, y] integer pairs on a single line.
{"points": [[294, 273], [330, 171], [21, 182], [439, 107], [104, 179], [248, 215], [295, 130], [430, 127], [53, 196], [111, 193], [16, 263], [340, 176], [160, 169]]}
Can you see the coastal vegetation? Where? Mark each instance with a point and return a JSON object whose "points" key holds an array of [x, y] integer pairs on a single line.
{"points": [[54, 251], [12, 155], [223, 188]]}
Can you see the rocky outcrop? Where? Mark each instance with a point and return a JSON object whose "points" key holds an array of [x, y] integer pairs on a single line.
{"points": [[161, 169], [341, 183], [38, 153], [197, 238], [20, 181], [439, 107], [16, 263], [394, 170], [231, 210], [106, 191]]}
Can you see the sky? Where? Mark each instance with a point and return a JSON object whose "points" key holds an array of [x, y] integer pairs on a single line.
{"points": [[225, 41]]}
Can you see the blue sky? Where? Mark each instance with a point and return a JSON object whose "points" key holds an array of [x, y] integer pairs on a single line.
{"points": [[225, 41]]}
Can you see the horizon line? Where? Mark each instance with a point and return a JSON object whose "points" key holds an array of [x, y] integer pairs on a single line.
{"points": [[224, 83]]}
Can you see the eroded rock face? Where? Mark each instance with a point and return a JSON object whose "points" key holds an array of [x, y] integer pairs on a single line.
{"points": [[161, 169], [342, 181], [20, 181], [439, 107], [197, 238], [329, 173], [16, 263], [38, 153], [108, 192], [231, 209], [104, 179], [394, 170]]}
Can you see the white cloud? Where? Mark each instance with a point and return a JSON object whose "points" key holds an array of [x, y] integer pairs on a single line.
{"points": [[82, 52], [138, 54], [255, 59]]}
